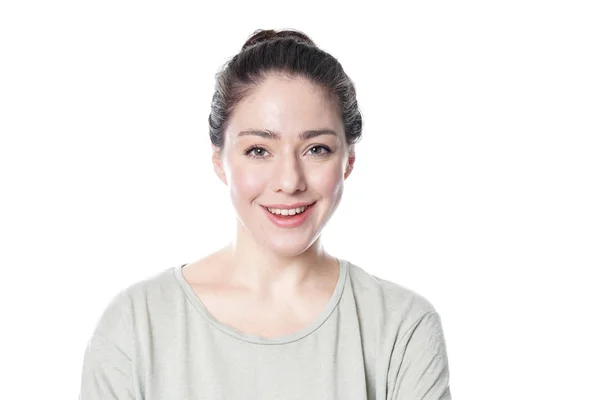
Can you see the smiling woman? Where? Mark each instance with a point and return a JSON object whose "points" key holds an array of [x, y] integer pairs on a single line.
{"points": [[272, 314], [282, 146]]}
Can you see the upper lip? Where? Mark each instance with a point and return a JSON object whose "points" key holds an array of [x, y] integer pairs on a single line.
{"points": [[286, 206]]}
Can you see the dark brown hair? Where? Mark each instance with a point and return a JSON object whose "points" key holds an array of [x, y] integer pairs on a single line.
{"points": [[290, 53]]}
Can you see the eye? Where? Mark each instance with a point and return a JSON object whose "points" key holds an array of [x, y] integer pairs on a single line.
{"points": [[260, 152], [255, 152], [325, 151]]}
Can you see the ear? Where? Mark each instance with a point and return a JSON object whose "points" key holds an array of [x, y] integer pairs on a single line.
{"points": [[350, 162], [218, 164]]}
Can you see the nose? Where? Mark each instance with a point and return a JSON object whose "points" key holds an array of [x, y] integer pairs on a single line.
{"points": [[288, 174]]}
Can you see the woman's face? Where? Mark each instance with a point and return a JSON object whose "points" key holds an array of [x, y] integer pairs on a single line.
{"points": [[266, 162]]}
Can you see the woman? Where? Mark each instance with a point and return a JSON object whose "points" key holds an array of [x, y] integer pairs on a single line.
{"points": [[272, 315]]}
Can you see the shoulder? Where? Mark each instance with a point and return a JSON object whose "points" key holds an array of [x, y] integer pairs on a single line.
{"points": [[393, 306], [391, 294], [156, 285], [152, 294]]}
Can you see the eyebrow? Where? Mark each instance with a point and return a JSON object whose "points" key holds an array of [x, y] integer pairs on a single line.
{"points": [[268, 134]]}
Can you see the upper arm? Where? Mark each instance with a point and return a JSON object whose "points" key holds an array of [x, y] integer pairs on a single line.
{"points": [[423, 372], [107, 367], [106, 371]]}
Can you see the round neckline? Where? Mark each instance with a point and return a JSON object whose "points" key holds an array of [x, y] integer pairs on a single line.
{"points": [[257, 339]]}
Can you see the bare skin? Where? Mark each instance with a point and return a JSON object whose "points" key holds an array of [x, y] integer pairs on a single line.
{"points": [[245, 310], [270, 280]]}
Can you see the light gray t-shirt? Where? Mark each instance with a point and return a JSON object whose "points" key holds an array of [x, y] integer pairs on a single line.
{"points": [[375, 340]]}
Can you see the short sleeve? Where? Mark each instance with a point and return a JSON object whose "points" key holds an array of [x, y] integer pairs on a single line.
{"points": [[107, 368], [423, 373]]}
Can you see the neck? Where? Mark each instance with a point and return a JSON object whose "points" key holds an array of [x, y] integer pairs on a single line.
{"points": [[256, 268]]}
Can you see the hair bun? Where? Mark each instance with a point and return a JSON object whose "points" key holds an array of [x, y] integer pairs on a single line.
{"points": [[264, 35]]}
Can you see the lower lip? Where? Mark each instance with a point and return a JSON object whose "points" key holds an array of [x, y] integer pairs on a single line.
{"points": [[289, 221]]}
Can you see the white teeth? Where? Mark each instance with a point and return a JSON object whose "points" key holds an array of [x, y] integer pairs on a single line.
{"points": [[292, 211]]}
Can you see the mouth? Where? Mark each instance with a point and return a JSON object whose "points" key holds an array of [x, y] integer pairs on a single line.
{"points": [[288, 211], [289, 218]]}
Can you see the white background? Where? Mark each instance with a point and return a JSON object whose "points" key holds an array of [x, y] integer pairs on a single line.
{"points": [[477, 182]]}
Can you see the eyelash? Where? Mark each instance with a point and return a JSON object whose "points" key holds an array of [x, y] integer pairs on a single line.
{"points": [[251, 149]]}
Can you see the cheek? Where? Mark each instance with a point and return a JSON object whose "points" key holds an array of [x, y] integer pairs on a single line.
{"points": [[329, 182], [244, 182]]}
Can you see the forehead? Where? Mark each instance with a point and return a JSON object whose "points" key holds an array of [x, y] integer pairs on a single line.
{"points": [[286, 105]]}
